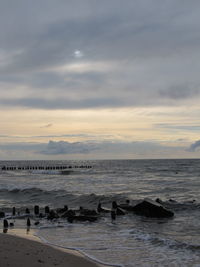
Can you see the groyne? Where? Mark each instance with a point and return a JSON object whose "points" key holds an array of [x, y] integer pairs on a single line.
{"points": [[43, 167]]}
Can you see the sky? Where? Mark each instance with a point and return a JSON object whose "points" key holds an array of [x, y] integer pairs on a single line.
{"points": [[109, 79]]}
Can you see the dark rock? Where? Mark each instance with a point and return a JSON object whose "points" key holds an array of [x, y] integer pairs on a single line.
{"points": [[47, 210], [52, 215], [70, 219], [114, 205], [117, 209], [27, 211], [69, 213], [62, 210], [120, 211], [113, 214], [36, 223], [88, 212], [28, 222], [66, 207], [150, 208], [36, 210], [158, 200], [5, 223], [2, 214], [83, 218], [126, 207], [13, 211], [11, 224]]}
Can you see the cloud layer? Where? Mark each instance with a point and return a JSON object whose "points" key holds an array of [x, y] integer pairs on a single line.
{"points": [[93, 149], [89, 54]]}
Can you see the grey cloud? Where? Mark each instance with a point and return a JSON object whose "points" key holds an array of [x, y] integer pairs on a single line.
{"points": [[154, 45], [63, 147], [194, 146], [85, 147], [123, 31], [92, 149], [180, 91]]}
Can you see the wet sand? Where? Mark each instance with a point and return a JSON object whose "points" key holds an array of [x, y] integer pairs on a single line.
{"points": [[17, 251]]}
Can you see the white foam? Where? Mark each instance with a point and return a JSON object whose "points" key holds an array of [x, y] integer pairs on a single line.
{"points": [[78, 250]]}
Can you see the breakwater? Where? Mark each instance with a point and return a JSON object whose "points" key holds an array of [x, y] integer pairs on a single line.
{"points": [[58, 167]]}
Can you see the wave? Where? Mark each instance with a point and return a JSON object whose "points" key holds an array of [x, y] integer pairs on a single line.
{"points": [[56, 198], [161, 241], [78, 250], [28, 190], [60, 197]]}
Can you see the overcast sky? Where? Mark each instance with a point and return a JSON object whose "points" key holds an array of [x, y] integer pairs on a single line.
{"points": [[83, 79]]}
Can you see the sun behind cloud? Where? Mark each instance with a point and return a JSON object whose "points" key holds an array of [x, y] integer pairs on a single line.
{"points": [[78, 54]]}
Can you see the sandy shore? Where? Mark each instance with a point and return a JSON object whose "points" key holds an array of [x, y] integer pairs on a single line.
{"points": [[17, 251]]}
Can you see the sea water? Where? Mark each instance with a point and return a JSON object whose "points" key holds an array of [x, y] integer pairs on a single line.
{"points": [[131, 240]]}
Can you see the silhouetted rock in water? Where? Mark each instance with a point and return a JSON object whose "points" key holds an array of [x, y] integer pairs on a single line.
{"points": [[82, 218], [13, 211], [2, 214], [158, 200], [113, 214], [87, 212], [102, 209], [114, 205], [36, 210], [118, 210], [28, 222], [27, 211], [69, 213], [126, 206], [11, 224], [70, 219], [5, 223], [52, 215], [62, 210], [150, 208], [36, 223], [46, 209]]}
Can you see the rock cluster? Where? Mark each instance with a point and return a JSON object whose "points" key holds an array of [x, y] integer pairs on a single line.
{"points": [[147, 207]]}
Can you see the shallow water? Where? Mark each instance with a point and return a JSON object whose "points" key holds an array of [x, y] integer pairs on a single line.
{"points": [[132, 240]]}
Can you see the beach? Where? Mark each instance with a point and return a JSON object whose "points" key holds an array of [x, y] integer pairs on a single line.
{"points": [[18, 251]]}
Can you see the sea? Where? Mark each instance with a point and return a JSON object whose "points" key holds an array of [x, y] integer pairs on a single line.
{"points": [[130, 240]]}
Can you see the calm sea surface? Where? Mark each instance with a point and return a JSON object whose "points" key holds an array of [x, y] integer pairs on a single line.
{"points": [[132, 240]]}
